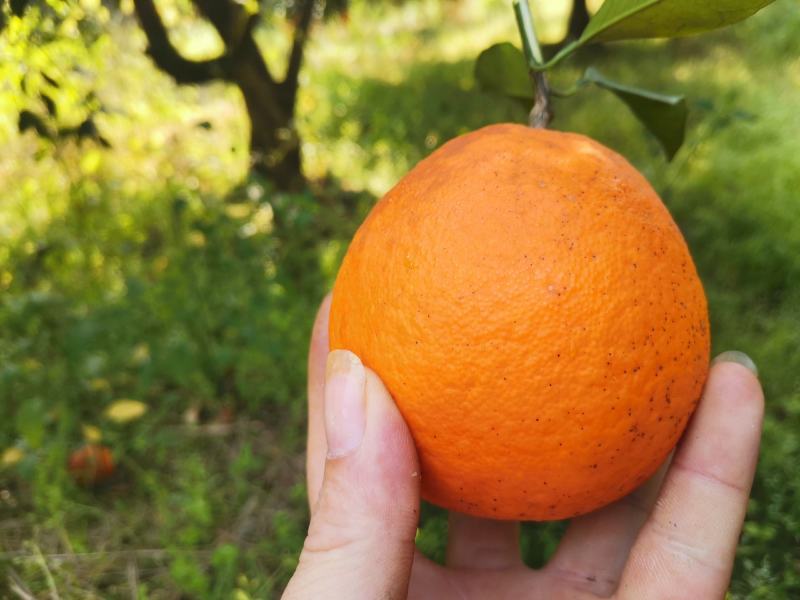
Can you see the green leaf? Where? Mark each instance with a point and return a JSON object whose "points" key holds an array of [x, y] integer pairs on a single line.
{"points": [[638, 19], [664, 116], [502, 68]]}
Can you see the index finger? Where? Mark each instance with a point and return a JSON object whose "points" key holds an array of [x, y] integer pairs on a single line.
{"points": [[689, 542]]}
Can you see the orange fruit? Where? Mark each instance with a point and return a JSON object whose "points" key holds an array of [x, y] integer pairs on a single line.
{"points": [[91, 464], [535, 313]]}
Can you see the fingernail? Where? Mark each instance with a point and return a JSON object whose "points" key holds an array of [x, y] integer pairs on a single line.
{"points": [[735, 356], [345, 407]]}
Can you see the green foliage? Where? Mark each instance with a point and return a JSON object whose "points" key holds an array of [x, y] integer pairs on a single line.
{"points": [[498, 68], [432, 532], [502, 69], [200, 307], [637, 19], [664, 116], [49, 45]]}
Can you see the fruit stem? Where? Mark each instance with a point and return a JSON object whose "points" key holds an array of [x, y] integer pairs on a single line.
{"points": [[541, 113]]}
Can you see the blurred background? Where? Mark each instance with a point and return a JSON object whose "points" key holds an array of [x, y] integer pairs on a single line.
{"points": [[160, 266]]}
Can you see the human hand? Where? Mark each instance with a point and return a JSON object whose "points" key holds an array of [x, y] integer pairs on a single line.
{"points": [[675, 537]]}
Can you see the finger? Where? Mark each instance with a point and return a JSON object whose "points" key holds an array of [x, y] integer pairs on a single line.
{"points": [[316, 445], [689, 542], [595, 548], [482, 543], [430, 581], [360, 542]]}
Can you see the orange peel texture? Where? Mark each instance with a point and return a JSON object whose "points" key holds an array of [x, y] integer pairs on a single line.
{"points": [[535, 313]]}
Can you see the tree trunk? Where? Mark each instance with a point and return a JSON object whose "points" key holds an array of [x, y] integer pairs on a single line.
{"points": [[274, 142], [274, 146]]}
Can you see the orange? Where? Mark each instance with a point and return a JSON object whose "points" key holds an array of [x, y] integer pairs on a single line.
{"points": [[91, 464], [535, 313]]}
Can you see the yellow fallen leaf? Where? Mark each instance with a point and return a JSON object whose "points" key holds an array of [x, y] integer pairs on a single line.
{"points": [[124, 410], [91, 433], [11, 456]]}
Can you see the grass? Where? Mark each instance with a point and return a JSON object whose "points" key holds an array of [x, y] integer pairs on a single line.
{"points": [[155, 270]]}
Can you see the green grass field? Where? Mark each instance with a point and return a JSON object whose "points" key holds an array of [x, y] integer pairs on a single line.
{"points": [[155, 270]]}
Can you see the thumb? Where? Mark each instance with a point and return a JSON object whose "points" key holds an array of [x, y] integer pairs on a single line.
{"points": [[360, 542]]}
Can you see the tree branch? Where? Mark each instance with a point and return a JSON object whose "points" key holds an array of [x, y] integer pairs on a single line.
{"points": [[167, 57], [302, 26], [249, 70], [540, 115], [235, 25]]}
